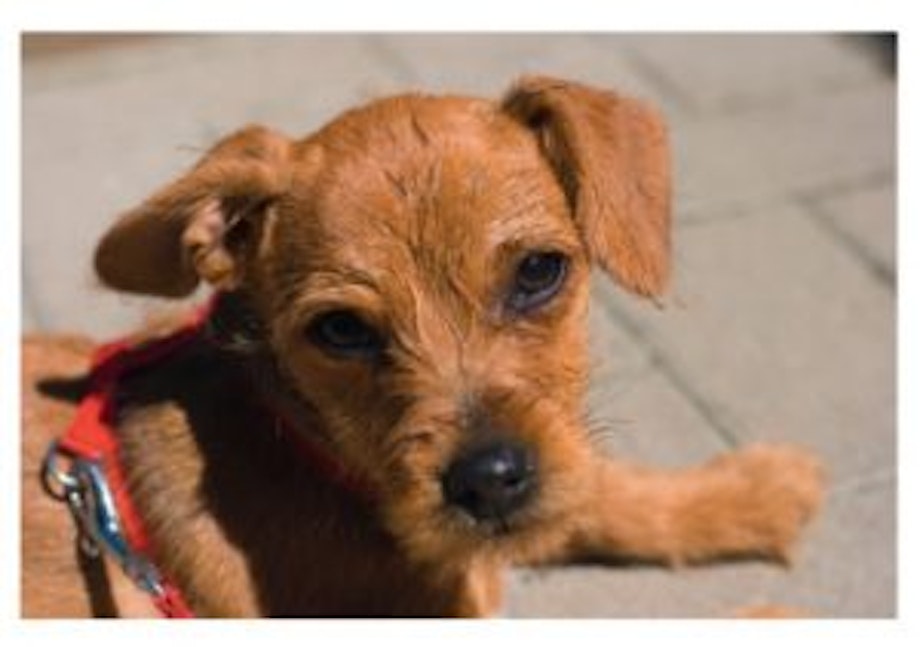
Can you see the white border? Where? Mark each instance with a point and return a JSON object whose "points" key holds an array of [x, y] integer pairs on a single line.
{"points": [[403, 15], [480, 15]]}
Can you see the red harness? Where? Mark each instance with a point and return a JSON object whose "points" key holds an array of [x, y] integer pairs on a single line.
{"points": [[91, 444]]}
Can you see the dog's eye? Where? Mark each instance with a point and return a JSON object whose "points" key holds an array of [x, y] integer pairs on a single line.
{"points": [[538, 278], [344, 333]]}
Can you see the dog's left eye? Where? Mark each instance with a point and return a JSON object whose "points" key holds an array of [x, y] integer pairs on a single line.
{"points": [[343, 333], [537, 279]]}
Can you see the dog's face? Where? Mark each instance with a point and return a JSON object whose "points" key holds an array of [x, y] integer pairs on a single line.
{"points": [[421, 269]]}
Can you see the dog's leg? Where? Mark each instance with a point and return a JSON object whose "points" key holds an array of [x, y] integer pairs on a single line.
{"points": [[748, 503]]}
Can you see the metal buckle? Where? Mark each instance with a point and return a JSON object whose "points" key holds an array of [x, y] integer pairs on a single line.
{"points": [[85, 490]]}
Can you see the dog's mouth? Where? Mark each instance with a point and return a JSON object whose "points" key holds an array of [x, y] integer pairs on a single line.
{"points": [[495, 527], [492, 519], [434, 526]]}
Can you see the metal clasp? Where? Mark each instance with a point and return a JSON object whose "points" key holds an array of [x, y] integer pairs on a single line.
{"points": [[85, 489]]}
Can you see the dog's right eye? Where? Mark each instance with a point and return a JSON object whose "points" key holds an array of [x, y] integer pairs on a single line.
{"points": [[538, 278], [343, 333]]}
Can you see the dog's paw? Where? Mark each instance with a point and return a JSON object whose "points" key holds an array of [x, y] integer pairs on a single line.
{"points": [[779, 489], [751, 502]]}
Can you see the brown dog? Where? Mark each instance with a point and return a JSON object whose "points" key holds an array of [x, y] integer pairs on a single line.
{"points": [[406, 289]]}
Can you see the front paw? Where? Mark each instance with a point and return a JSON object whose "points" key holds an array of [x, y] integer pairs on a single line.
{"points": [[753, 502]]}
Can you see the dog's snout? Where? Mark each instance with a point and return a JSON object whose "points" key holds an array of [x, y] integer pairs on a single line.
{"points": [[491, 483]]}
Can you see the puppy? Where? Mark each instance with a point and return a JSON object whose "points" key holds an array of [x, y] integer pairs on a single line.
{"points": [[383, 409]]}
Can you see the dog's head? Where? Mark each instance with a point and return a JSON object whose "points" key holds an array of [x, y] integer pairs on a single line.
{"points": [[420, 267]]}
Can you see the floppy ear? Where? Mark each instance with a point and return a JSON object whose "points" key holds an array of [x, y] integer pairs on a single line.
{"points": [[610, 154], [199, 226]]}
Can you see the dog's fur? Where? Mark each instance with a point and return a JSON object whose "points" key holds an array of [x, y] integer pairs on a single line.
{"points": [[413, 212]]}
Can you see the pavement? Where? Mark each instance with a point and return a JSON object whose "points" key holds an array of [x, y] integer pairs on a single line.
{"points": [[780, 327]]}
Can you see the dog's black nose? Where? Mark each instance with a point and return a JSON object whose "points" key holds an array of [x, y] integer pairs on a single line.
{"points": [[491, 482]]}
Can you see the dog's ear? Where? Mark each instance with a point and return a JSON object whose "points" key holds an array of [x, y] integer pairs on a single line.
{"points": [[201, 225], [611, 156]]}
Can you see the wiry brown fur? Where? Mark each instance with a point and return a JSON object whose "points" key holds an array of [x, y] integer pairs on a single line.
{"points": [[413, 212]]}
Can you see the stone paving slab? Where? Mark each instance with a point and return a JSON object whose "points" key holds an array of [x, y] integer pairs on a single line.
{"points": [[787, 336], [746, 72], [859, 523], [616, 355], [675, 435], [861, 219], [822, 144], [487, 64], [849, 567]]}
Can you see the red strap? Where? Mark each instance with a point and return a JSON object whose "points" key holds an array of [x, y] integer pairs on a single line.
{"points": [[91, 434], [324, 462], [171, 604]]}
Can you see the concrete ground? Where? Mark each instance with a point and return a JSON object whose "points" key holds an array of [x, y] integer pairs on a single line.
{"points": [[782, 322]]}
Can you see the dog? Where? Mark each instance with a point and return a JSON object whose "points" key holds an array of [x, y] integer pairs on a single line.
{"points": [[404, 293]]}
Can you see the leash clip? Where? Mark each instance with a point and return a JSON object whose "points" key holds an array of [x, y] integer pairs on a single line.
{"points": [[85, 490]]}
